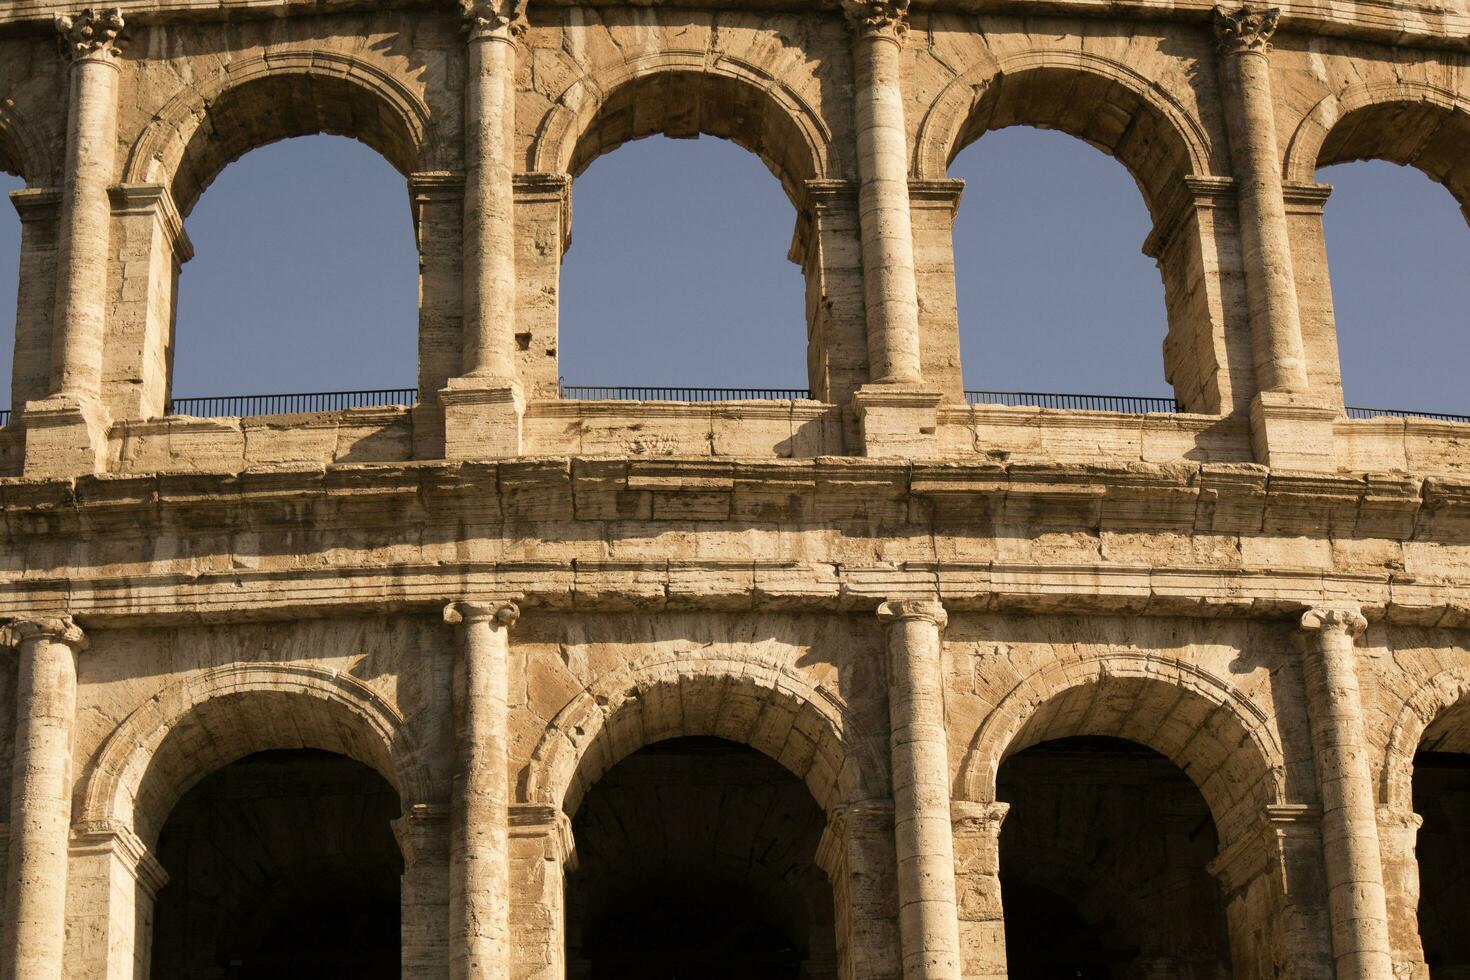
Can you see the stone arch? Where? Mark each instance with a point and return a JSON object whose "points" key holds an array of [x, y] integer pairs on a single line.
{"points": [[22, 151], [207, 721], [1148, 131], [1430, 702], [273, 97], [1219, 738], [1405, 122], [724, 97], [751, 701]]}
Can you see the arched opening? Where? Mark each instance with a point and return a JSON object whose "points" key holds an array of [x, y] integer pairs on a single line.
{"points": [[304, 279], [1103, 865], [1051, 295], [282, 864], [1441, 797], [678, 275], [1398, 251], [1053, 292], [696, 858], [677, 278]]}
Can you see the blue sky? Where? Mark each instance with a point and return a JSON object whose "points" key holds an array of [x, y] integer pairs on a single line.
{"points": [[305, 275]]}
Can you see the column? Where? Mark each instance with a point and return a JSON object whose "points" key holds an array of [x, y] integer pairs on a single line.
{"points": [[982, 927], [71, 425], [928, 919], [40, 798], [1288, 430], [895, 422], [483, 406], [1350, 851], [479, 885]]}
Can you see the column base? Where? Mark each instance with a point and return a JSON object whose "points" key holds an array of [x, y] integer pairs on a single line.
{"points": [[64, 436], [898, 420], [1293, 432], [482, 418]]}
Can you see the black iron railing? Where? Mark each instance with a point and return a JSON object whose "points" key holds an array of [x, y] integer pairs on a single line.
{"points": [[1395, 413], [616, 393], [1131, 404], [227, 406]]}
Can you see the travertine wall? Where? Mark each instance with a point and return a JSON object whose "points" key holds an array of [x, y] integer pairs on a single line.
{"points": [[925, 619]]}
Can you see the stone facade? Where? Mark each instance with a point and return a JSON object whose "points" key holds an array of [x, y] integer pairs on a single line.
{"points": [[866, 686]]}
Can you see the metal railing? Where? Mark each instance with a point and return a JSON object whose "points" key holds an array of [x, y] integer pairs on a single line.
{"points": [[617, 393], [1395, 413], [1131, 404], [228, 406]]}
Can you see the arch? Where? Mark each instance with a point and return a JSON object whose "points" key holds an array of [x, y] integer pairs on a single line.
{"points": [[1154, 136], [206, 721], [1429, 702], [744, 699], [723, 96], [22, 151], [273, 97], [1219, 738], [1405, 122]]}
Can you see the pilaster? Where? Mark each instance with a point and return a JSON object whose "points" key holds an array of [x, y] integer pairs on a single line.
{"points": [[982, 930], [856, 852], [112, 884], [542, 851], [423, 838]]}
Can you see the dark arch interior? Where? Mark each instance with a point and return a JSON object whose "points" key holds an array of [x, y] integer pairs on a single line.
{"points": [[696, 860], [282, 865], [1442, 797], [1103, 865]]}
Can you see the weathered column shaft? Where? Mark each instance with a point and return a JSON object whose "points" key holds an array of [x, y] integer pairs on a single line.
{"points": [[889, 288], [479, 888], [1355, 897], [86, 212], [927, 915], [40, 799], [1243, 36], [489, 194]]}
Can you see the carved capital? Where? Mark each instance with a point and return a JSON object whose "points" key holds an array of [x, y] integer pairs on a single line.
{"points": [[887, 18], [1244, 28], [493, 18], [91, 34], [496, 613], [1346, 619], [898, 610], [57, 629]]}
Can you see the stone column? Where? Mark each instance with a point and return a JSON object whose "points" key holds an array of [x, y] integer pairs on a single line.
{"points": [[897, 411], [484, 405], [479, 886], [40, 798], [982, 927], [928, 919], [1288, 429], [71, 424], [1350, 851]]}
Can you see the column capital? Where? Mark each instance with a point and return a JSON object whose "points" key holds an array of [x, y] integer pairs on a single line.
{"points": [[500, 20], [92, 34], [878, 18], [1244, 28], [58, 629], [971, 819], [898, 610], [1345, 618], [497, 612]]}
